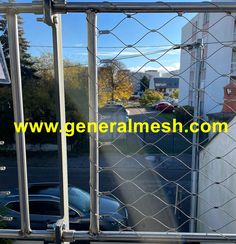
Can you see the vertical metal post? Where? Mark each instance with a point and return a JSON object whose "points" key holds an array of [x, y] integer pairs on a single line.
{"points": [[61, 117], [93, 116], [176, 197], [195, 138], [14, 52]]}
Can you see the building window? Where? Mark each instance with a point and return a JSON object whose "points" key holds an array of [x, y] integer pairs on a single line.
{"points": [[233, 79], [205, 19], [191, 76], [204, 62], [234, 37], [205, 25], [228, 91], [204, 57], [193, 60], [203, 74], [190, 98], [194, 30], [233, 63], [205, 51]]}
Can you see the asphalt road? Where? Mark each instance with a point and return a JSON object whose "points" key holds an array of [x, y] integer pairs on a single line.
{"points": [[144, 177]]}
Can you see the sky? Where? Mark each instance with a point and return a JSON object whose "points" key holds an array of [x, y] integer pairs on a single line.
{"points": [[128, 31]]}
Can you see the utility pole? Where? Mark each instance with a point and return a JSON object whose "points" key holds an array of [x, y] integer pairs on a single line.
{"points": [[195, 139], [198, 46]]}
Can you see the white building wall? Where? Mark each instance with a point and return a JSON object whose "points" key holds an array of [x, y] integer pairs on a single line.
{"points": [[151, 83], [185, 63], [152, 74], [218, 195], [218, 61]]}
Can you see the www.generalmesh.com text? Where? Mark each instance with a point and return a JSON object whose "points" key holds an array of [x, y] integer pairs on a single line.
{"points": [[70, 128]]}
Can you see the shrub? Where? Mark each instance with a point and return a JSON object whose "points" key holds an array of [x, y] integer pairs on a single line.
{"points": [[150, 97], [184, 114], [175, 94]]}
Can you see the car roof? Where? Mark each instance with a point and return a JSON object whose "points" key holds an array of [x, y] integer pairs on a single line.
{"points": [[34, 190], [165, 102], [45, 191]]}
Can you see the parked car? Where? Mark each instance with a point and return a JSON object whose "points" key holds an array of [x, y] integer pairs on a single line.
{"points": [[113, 112], [165, 107], [173, 101], [44, 205]]}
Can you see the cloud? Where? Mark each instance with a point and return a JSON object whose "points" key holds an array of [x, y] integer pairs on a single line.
{"points": [[141, 51], [125, 55], [164, 69], [172, 67]]}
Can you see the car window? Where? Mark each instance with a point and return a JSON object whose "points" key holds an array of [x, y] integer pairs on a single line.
{"points": [[41, 207], [44, 207], [77, 197], [14, 206], [73, 214]]}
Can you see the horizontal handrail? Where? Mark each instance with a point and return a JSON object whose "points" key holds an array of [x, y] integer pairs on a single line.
{"points": [[118, 7], [126, 236]]}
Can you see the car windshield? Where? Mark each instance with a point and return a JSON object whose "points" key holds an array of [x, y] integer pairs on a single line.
{"points": [[79, 199]]}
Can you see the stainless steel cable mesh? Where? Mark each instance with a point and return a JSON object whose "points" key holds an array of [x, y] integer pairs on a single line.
{"points": [[150, 174], [164, 183]]}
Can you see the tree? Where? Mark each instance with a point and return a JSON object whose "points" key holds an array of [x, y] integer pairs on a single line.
{"points": [[150, 97], [39, 102], [76, 87], [76, 96], [6, 115], [105, 86], [114, 82], [144, 83], [123, 86], [28, 72], [175, 94]]}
